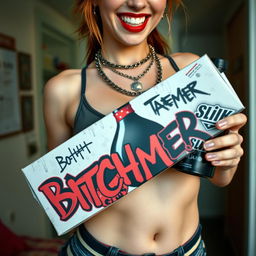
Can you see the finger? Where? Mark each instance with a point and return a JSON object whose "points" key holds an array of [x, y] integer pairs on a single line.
{"points": [[227, 154], [228, 140], [233, 122], [228, 163]]}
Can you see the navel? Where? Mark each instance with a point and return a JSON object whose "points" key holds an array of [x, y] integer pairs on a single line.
{"points": [[156, 236]]}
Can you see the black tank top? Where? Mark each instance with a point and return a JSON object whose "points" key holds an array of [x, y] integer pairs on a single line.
{"points": [[86, 114]]}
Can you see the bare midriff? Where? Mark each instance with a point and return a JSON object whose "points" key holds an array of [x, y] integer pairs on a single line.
{"points": [[157, 217]]}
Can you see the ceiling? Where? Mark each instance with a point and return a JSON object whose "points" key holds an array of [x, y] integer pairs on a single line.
{"points": [[204, 16]]}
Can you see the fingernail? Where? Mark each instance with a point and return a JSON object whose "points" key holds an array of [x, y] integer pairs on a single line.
{"points": [[216, 162], [222, 123], [208, 145], [211, 156]]}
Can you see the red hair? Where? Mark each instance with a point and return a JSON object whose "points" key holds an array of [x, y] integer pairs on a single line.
{"points": [[91, 27]]}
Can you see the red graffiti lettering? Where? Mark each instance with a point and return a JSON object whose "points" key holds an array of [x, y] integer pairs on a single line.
{"points": [[112, 188], [155, 148], [83, 187], [63, 201], [107, 179], [132, 168]]}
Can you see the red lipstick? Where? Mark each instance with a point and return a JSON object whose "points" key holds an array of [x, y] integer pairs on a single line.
{"points": [[134, 28]]}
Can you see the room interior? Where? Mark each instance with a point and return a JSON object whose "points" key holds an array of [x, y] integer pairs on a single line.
{"points": [[44, 34]]}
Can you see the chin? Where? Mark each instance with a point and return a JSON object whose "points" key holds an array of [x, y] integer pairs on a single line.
{"points": [[133, 40]]}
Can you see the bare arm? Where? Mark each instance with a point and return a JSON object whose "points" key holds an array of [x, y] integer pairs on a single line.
{"points": [[55, 109]]}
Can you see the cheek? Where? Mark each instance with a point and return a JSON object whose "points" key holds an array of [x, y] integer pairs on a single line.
{"points": [[158, 5], [108, 5]]}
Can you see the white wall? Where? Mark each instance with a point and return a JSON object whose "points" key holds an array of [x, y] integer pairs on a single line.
{"points": [[18, 208]]}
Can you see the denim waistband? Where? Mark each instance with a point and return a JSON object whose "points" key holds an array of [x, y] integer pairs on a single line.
{"points": [[85, 239]]}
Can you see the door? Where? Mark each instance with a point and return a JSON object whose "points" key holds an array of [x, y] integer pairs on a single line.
{"points": [[237, 40]]}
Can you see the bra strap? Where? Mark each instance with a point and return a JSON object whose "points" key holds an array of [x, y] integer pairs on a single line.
{"points": [[173, 63], [83, 81]]}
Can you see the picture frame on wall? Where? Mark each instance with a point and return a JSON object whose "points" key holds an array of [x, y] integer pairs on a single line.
{"points": [[10, 119], [7, 42], [24, 67], [27, 112]]}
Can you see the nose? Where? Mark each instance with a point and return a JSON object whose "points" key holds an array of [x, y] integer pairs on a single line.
{"points": [[137, 4]]}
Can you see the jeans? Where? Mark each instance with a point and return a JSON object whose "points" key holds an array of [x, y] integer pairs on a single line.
{"points": [[82, 243]]}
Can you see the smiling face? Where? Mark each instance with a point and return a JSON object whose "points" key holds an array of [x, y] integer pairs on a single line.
{"points": [[129, 22]]}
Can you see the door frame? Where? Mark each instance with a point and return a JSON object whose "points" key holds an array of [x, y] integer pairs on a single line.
{"points": [[251, 224], [46, 17]]}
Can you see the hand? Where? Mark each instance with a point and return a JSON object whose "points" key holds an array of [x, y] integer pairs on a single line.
{"points": [[226, 150]]}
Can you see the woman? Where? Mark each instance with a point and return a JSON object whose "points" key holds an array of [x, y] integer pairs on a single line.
{"points": [[125, 58]]}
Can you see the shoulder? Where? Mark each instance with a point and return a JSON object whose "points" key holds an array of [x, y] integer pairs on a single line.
{"points": [[62, 86], [183, 59], [62, 83]]}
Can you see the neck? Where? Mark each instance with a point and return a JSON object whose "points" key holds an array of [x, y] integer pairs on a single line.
{"points": [[125, 55]]}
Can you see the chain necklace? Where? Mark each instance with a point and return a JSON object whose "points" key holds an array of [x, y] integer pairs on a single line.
{"points": [[120, 89], [135, 85], [119, 66]]}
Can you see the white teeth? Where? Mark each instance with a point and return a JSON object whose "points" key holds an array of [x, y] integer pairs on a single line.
{"points": [[133, 21]]}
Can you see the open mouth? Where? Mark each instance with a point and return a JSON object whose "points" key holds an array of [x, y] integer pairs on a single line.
{"points": [[134, 22]]}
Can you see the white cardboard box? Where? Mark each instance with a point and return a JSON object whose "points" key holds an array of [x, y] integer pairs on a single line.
{"points": [[109, 159]]}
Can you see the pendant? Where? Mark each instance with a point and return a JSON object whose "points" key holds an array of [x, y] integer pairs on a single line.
{"points": [[136, 86]]}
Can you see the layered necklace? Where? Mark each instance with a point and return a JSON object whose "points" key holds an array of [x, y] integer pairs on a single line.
{"points": [[136, 86]]}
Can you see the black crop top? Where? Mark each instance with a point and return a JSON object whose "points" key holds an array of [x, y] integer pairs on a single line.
{"points": [[86, 114]]}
